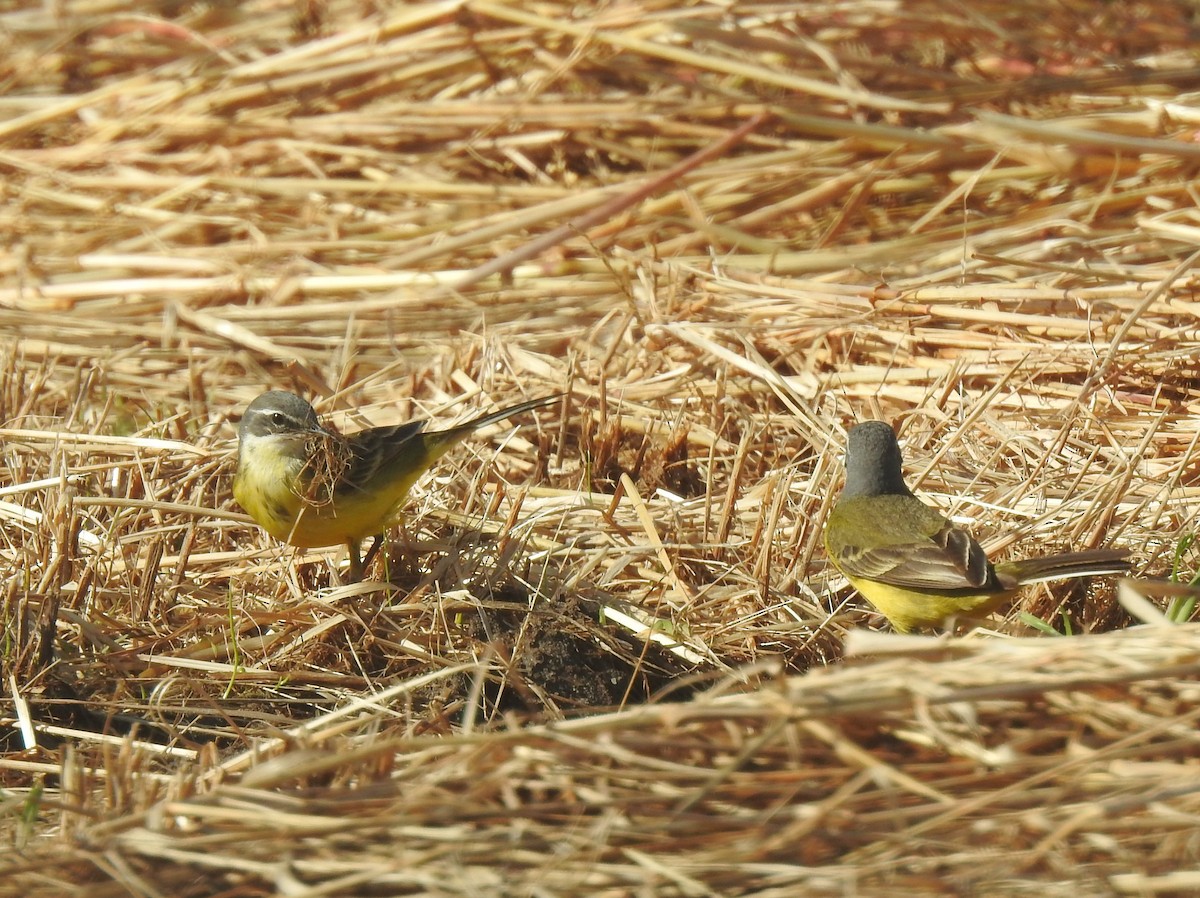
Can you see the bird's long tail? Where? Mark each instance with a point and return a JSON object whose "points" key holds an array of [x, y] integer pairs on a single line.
{"points": [[1095, 562], [439, 441]]}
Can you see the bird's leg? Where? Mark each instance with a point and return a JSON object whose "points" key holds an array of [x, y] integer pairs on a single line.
{"points": [[376, 545], [356, 562]]}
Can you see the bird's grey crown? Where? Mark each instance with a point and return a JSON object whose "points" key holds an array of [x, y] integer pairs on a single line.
{"points": [[277, 411], [873, 462]]}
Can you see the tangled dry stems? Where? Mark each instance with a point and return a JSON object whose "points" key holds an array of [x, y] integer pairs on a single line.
{"points": [[978, 223]]}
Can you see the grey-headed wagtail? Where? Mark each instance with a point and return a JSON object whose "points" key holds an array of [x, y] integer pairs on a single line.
{"points": [[311, 486], [916, 567]]}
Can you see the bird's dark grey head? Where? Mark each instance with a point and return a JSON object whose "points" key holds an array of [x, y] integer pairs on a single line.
{"points": [[278, 412], [873, 462]]}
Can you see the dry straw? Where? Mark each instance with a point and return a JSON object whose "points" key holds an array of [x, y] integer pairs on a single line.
{"points": [[611, 659]]}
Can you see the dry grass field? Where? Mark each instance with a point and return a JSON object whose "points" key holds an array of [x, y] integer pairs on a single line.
{"points": [[606, 654]]}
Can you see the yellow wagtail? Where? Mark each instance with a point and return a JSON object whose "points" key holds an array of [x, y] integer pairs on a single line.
{"points": [[311, 486], [917, 568]]}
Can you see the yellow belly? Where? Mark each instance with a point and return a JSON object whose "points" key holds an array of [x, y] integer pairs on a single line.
{"points": [[907, 609], [348, 520], [269, 487]]}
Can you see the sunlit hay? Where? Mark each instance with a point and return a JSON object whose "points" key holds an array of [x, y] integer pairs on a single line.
{"points": [[605, 655]]}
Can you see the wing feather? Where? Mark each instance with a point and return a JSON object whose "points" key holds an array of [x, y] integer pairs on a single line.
{"points": [[376, 448], [923, 549]]}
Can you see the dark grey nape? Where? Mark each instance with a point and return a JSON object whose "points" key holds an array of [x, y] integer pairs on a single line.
{"points": [[873, 462]]}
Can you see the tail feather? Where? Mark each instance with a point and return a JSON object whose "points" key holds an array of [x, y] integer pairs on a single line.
{"points": [[1095, 562], [438, 442]]}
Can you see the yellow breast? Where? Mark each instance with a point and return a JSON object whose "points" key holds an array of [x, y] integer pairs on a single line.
{"points": [[907, 609], [272, 486], [267, 486]]}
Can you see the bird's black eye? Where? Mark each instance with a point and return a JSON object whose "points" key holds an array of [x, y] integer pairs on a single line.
{"points": [[279, 419]]}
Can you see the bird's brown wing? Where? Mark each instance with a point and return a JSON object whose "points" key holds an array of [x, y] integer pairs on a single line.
{"points": [[380, 447], [930, 553]]}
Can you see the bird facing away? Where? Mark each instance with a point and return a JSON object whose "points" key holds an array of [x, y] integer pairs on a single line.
{"points": [[311, 486], [916, 567]]}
